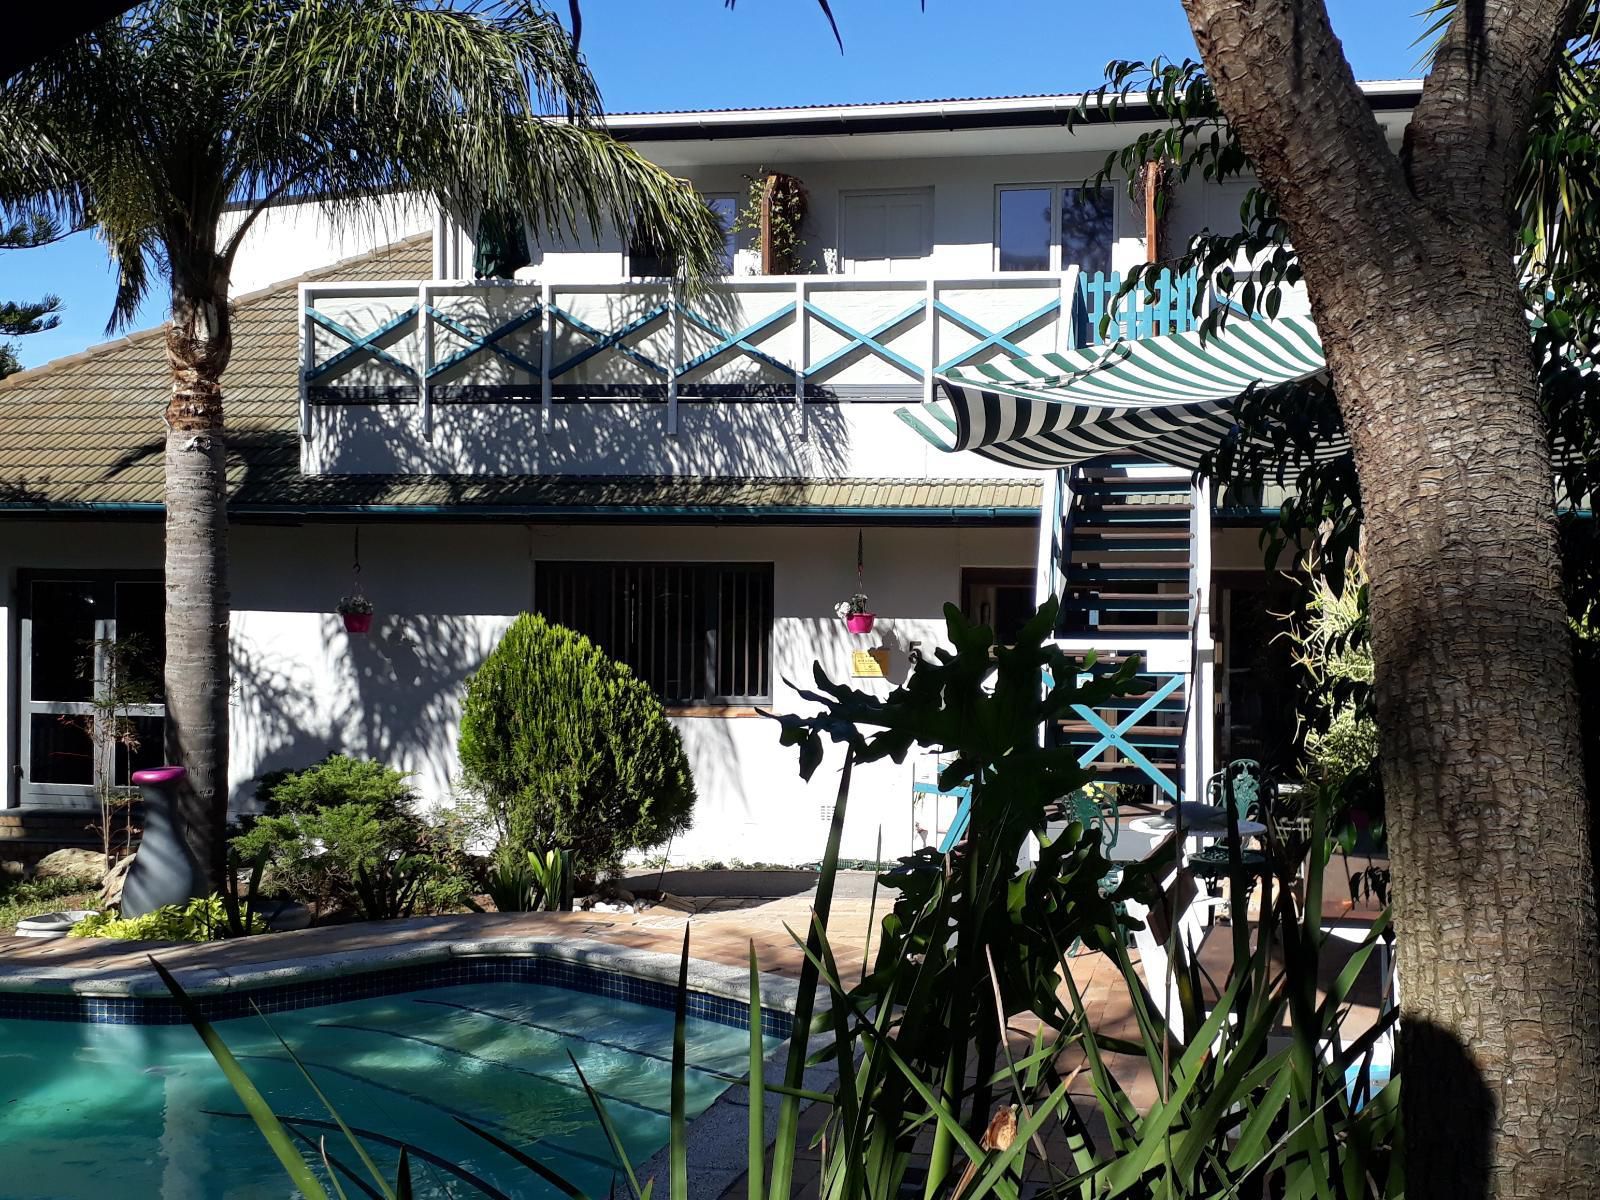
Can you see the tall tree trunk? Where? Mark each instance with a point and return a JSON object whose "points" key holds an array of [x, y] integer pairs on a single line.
{"points": [[199, 342], [1408, 265]]}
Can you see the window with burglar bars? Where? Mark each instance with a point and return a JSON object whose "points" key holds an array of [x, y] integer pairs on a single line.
{"points": [[698, 633]]}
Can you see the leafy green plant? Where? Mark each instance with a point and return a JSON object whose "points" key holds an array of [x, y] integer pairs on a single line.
{"points": [[204, 919], [1332, 641], [566, 747], [346, 833], [775, 208], [530, 881]]}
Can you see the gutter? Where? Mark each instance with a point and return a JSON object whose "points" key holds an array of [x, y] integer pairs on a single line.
{"points": [[596, 513]]}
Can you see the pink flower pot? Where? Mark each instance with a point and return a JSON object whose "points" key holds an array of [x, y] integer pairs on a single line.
{"points": [[357, 622], [860, 622]]}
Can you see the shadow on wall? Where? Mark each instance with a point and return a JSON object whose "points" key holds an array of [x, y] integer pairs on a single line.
{"points": [[392, 695]]}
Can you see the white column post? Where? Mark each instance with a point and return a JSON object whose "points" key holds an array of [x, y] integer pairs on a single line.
{"points": [[307, 362], [802, 352], [675, 325], [1200, 736], [931, 316], [425, 328], [547, 350]]}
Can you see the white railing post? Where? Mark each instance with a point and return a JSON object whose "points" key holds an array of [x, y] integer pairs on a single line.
{"points": [[1066, 334], [675, 326], [1201, 750], [424, 392], [802, 353], [547, 350], [307, 363], [931, 316]]}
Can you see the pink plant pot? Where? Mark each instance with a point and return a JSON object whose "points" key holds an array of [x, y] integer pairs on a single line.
{"points": [[357, 622], [860, 622]]}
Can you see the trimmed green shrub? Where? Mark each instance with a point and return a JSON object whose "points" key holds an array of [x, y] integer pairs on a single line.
{"points": [[345, 833], [568, 749]]}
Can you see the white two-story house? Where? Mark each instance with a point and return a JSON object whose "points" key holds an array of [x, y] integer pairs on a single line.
{"points": [[696, 482]]}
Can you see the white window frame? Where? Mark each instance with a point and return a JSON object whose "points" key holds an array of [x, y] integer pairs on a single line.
{"points": [[1055, 186], [67, 795]]}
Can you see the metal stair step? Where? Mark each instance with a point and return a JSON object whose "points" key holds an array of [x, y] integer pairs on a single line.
{"points": [[1127, 601], [1148, 631], [1126, 572], [1132, 514], [1122, 485], [1124, 536]]}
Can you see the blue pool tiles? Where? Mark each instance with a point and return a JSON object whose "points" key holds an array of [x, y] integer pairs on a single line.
{"points": [[580, 977]]}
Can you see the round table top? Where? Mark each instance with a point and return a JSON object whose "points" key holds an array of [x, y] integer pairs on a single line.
{"points": [[1209, 819]]}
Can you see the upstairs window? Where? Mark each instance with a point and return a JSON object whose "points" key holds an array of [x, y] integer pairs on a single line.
{"points": [[1049, 227], [697, 633], [646, 261]]}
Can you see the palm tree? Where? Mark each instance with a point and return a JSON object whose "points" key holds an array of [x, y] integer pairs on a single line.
{"points": [[154, 126]]}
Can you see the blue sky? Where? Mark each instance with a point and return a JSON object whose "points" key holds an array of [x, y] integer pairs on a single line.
{"points": [[671, 54]]}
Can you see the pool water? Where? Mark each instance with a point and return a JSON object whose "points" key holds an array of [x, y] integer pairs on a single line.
{"points": [[95, 1111]]}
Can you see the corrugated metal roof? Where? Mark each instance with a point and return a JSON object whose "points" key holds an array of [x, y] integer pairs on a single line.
{"points": [[85, 433]]}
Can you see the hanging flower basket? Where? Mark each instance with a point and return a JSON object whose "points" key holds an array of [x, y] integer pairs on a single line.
{"points": [[356, 612], [854, 613]]}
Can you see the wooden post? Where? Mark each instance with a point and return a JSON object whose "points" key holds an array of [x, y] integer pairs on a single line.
{"points": [[1152, 220], [768, 265]]}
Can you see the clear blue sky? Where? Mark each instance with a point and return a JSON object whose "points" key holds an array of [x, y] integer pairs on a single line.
{"points": [[673, 54]]}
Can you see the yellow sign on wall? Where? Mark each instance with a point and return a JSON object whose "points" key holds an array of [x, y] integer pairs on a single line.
{"points": [[869, 664]]}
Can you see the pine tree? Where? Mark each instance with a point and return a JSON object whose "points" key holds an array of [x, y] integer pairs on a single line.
{"points": [[20, 318]]}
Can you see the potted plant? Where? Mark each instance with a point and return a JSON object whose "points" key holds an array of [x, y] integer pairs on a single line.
{"points": [[855, 614], [357, 613]]}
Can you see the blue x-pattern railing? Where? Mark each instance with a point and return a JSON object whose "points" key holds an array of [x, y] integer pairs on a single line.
{"points": [[744, 340], [1115, 737], [358, 344]]}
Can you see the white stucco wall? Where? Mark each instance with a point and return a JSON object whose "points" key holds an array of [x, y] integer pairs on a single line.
{"points": [[303, 688], [289, 240]]}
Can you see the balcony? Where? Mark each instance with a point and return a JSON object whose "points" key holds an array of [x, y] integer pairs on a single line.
{"points": [[793, 376]]}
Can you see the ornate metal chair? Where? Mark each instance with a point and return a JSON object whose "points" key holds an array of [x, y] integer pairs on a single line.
{"points": [[1252, 794]]}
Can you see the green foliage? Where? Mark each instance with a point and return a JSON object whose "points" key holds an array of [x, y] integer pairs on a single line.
{"points": [[566, 748], [346, 832], [530, 881], [787, 204], [21, 318], [1332, 642], [201, 920], [21, 899]]}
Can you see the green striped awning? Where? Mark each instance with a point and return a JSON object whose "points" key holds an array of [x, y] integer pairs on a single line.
{"points": [[1166, 398]]}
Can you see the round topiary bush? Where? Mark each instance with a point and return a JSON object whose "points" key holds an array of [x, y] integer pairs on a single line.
{"points": [[570, 751]]}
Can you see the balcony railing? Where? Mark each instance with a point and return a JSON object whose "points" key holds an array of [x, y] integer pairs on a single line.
{"points": [[757, 339]]}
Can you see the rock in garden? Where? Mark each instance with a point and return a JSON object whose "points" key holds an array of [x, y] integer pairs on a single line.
{"points": [[71, 863], [111, 887]]}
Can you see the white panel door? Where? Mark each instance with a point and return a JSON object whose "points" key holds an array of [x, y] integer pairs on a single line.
{"points": [[886, 233]]}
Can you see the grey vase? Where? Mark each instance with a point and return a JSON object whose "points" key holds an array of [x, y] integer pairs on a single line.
{"points": [[163, 872]]}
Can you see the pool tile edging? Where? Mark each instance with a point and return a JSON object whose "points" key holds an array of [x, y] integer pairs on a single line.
{"points": [[717, 992]]}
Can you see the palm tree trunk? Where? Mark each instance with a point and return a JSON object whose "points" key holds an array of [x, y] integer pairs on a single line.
{"points": [[1407, 260], [1487, 816], [199, 341]]}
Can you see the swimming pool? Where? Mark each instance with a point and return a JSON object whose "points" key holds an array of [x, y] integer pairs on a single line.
{"points": [[141, 1110]]}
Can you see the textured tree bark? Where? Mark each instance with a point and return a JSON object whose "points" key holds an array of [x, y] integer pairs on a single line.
{"points": [[1407, 260], [199, 341]]}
